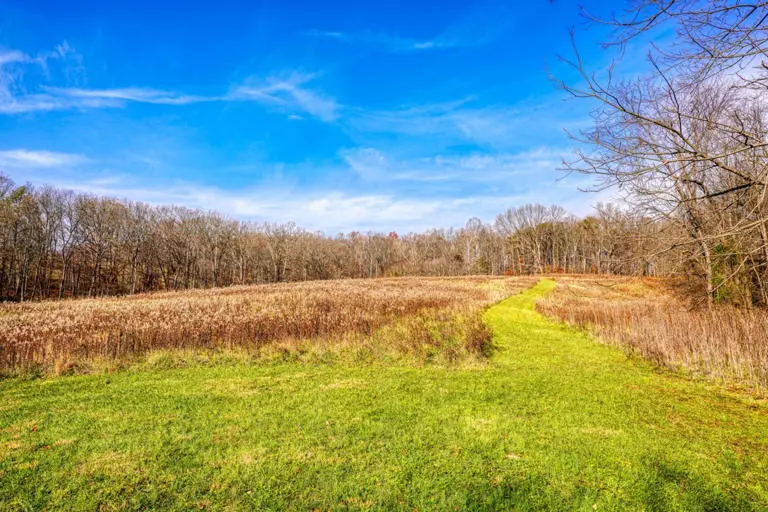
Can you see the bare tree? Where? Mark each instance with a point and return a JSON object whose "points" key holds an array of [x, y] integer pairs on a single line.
{"points": [[687, 143]]}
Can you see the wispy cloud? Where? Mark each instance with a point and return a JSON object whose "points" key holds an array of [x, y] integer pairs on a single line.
{"points": [[10, 104], [458, 119], [479, 26], [15, 97], [61, 52], [468, 120], [390, 42], [298, 96], [11, 56], [135, 94], [30, 159], [289, 92], [18, 95], [530, 166]]}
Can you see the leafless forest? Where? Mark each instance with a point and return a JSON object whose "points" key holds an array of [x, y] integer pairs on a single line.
{"points": [[56, 244]]}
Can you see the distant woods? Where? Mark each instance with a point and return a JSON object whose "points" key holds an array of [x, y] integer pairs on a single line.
{"points": [[56, 244], [688, 142], [687, 145]]}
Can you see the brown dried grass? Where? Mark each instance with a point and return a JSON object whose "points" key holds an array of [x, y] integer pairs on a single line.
{"points": [[57, 336], [647, 317]]}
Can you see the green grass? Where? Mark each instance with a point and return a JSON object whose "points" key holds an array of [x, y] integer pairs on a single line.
{"points": [[557, 421]]}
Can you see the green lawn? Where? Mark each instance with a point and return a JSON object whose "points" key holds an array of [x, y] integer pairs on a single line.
{"points": [[557, 421]]}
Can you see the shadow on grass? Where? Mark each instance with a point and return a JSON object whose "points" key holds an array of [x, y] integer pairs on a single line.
{"points": [[663, 485], [668, 485]]}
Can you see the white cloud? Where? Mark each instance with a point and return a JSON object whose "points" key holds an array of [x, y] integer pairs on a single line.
{"points": [[288, 92], [285, 93], [30, 159], [14, 98], [61, 52], [369, 163], [454, 120], [12, 56], [477, 26], [45, 102], [136, 94], [531, 165], [499, 126], [390, 42], [73, 98]]}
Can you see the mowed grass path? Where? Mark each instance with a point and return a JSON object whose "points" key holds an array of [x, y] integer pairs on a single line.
{"points": [[557, 421]]}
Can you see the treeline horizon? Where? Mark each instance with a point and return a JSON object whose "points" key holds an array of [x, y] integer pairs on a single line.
{"points": [[56, 243]]}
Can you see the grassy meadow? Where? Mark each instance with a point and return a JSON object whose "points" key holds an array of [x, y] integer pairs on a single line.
{"points": [[544, 418]]}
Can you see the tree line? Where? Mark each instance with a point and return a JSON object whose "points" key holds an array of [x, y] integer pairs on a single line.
{"points": [[56, 243]]}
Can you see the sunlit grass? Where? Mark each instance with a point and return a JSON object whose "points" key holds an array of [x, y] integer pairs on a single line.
{"points": [[556, 421]]}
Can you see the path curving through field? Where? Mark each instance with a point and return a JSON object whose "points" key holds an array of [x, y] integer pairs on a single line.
{"points": [[557, 421]]}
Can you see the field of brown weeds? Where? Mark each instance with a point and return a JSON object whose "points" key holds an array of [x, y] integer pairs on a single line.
{"points": [[648, 317], [429, 318]]}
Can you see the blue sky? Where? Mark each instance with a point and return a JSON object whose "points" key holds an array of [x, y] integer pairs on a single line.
{"points": [[336, 115]]}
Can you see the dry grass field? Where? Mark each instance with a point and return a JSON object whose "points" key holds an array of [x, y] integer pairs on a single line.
{"points": [[426, 318], [648, 317], [551, 420]]}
